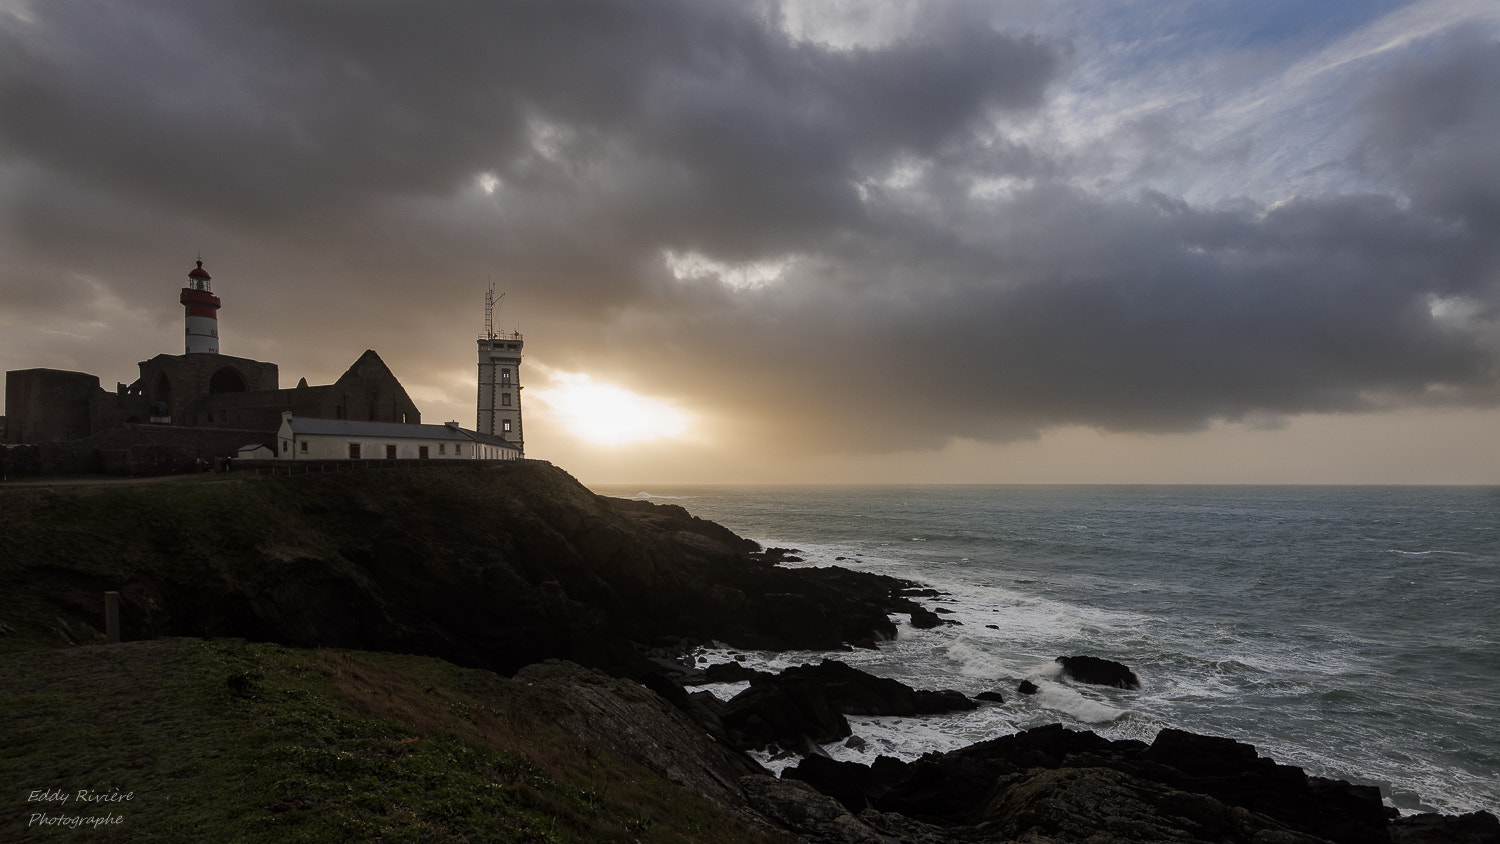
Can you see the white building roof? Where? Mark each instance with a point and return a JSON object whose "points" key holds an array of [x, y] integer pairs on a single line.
{"points": [[387, 430], [391, 431]]}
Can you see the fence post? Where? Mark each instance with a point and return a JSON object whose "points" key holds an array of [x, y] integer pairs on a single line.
{"points": [[112, 617]]}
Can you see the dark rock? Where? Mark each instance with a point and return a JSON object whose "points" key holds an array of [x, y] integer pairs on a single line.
{"points": [[766, 714], [1104, 806], [922, 618], [993, 697], [1228, 780], [992, 626], [732, 672], [632, 722], [936, 703], [706, 709], [1233, 773], [1473, 828], [850, 783], [812, 700], [951, 788], [664, 686], [807, 748], [801, 809], [1099, 672], [1027, 688]]}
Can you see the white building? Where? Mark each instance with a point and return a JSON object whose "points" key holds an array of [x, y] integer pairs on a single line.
{"points": [[302, 438]]}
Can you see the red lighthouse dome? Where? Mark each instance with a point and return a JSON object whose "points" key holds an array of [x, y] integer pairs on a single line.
{"points": [[200, 313]]}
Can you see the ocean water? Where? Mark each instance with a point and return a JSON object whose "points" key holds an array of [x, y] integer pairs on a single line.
{"points": [[1352, 631]]}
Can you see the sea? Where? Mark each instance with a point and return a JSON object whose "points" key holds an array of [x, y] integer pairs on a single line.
{"points": [[1351, 631]]}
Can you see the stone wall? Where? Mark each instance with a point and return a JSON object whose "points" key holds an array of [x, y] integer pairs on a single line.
{"points": [[48, 405], [186, 391], [182, 382], [131, 450]]}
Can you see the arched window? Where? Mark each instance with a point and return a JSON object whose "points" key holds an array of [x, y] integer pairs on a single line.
{"points": [[161, 389], [226, 380]]}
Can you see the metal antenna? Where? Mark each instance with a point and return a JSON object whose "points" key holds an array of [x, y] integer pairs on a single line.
{"points": [[489, 311]]}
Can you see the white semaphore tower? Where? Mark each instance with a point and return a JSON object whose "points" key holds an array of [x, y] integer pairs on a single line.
{"points": [[499, 378], [200, 313]]}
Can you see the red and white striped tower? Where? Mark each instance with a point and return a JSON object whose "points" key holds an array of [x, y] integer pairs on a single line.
{"points": [[200, 313]]}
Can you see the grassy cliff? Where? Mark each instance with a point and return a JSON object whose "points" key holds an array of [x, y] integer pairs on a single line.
{"points": [[346, 714], [231, 741]]}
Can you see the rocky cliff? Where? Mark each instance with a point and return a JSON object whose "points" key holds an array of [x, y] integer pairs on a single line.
{"points": [[503, 567], [495, 567]]}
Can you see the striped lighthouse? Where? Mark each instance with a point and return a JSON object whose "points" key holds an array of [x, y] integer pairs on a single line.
{"points": [[200, 313]]}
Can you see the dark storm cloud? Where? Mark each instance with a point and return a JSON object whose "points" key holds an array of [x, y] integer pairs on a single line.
{"points": [[341, 144], [1130, 316], [285, 109], [1433, 126]]}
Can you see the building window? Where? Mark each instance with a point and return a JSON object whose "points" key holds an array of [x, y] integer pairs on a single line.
{"points": [[505, 426], [505, 376], [505, 399], [304, 446], [421, 452], [459, 450], [353, 451], [442, 448], [390, 451], [284, 445]]}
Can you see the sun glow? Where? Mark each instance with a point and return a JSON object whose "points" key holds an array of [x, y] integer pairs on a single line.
{"points": [[604, 414]]}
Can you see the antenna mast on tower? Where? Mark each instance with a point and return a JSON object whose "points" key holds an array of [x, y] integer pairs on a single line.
{"points": [[489, 311]]}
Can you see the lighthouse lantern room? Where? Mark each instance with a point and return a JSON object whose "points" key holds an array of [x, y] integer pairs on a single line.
{"points": [[200, 313]]}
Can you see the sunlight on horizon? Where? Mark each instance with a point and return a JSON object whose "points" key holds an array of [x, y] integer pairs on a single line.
{"points": [[608, 415]]}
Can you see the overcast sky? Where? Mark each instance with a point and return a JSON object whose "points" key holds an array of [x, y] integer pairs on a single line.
{"points": [[821, 241]]}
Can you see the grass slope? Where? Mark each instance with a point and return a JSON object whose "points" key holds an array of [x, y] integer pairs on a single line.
{"points": [[230, 741]]}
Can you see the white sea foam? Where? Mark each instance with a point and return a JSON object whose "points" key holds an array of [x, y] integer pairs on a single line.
{"points": [[1068, 700], [975, 660], [1237, 609], [1052, 670], [904, 737], [723, 691]]}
